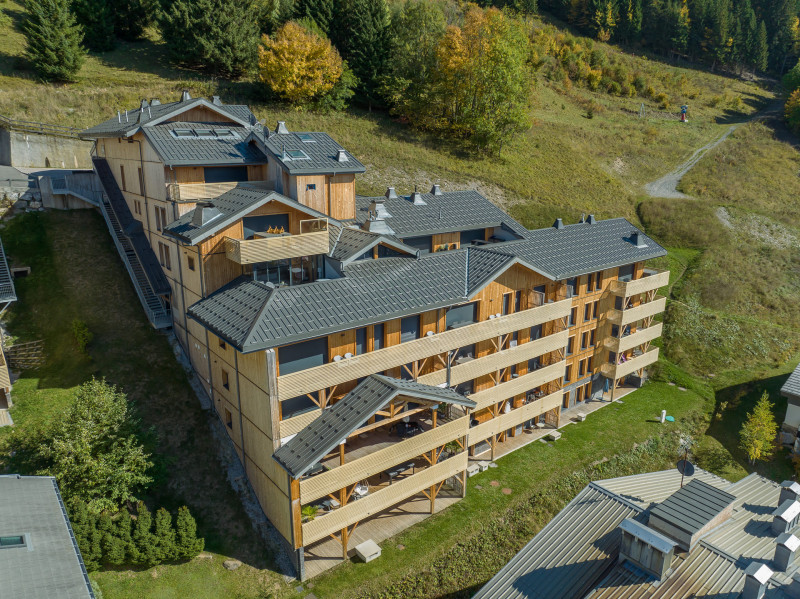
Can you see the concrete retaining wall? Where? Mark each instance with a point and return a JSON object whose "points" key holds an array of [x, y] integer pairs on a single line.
{"points": [[29, 150]]}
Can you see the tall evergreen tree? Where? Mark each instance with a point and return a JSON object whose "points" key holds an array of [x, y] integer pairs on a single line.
{"points": [[97, 19], [53, 39], [760, 52], [362, 41], [220, 36], [123, 533], [187, 544], [164, 536], [143, 538], [321, 11], [630, 21], [132, 17]]}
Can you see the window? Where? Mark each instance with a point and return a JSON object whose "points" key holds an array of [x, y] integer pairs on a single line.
{"points": [[297, 155], [460, 316], [161, 218], [589, 364], [534, 364], [222, 344], [122, 176], [409, 329], [223, 133], [570, 346], [595, 309], [423, 244], [585, 340], [581, 367], [163, 256], [190, 262], [137, 207], [225, 380], [262, 224], [626, 273], [141, 181], [377, 336], [467, 237], [536, 332], [572, 287], [573, 315], [228, 418], [506, 303], [591, 337], [311, 187], [589, 282], [300, 356], [306, 138], [12, 541], [182, 133], [224, 174], [204, 132], [587, 312], [587, 391], [567, 375], [361, 341], [517, 301], [598, 284]]}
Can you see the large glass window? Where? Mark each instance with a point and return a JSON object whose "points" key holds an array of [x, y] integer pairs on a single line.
{"points": [[224, 174], [409, 329], [467, 237], [361, 341], [296, 406], [291, 271], [459, 316], [377, 336], [626, 273], [262, 224], [536, 332], [423, 244], [300, 356]]}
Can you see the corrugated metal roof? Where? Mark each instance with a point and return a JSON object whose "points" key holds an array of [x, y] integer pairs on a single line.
{"points": [[50, 566], [225, 150], [351, 412], [7, 291], [692, 506], [792, 384], [349, 243], [321, 153]]}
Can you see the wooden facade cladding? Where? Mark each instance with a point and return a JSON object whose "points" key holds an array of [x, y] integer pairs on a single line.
{"points": [[498, 360], [350, 473], [631, 315], [643, 285], [194, 191], [277, 248], [335, 373], [638, 338], [617, 371], [521, 384], [504, 422], [384, 498]]}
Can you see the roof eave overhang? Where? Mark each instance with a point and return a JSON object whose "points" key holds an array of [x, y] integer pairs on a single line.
{"points": [[442, 230], [572, 274], [181, 108]]}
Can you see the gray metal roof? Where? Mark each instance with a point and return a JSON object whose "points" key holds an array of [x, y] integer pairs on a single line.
{"points": [[348, 243], [560, 560], [7, 291], [321, 150], [350, 413], [50, 565], [693, 506], [647, 535], [222, 151], [131, 121], [232, 205], [449, 212], [792, 384]]}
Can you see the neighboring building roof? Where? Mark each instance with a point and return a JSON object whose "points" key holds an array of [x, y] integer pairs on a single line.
{"points": [[131, 121], [321, 154], [7, 291], [349, 243], [223, 150], [49, 566], [232, 205], [693, 506], [570, 558], [449, 212], [350, 413], [792, 384]]}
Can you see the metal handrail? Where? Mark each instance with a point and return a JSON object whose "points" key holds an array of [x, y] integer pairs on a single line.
{"points": [[40, 128]]}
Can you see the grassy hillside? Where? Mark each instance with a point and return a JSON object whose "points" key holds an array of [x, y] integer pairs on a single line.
{"points": [[733, 320]]}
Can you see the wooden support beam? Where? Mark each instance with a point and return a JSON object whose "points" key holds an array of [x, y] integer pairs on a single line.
{"points": [[341, 454]]}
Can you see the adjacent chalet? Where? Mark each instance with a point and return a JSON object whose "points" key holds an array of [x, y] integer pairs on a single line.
{"points": [[791, 424], [662, 536], [361, 351]]}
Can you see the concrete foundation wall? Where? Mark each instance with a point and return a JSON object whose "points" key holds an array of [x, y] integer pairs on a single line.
{"points": [[29, 150]]}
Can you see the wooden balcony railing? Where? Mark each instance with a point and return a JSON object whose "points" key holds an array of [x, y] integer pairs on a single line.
{"points": [[636, 339], [623, 317], [195, 192], [382, 499], [521, 384], [653, 279], [514, 417], [335, 373], [267, 249], [617, 371], [351, 472]]}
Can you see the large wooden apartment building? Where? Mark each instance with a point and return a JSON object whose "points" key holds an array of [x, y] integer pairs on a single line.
{"points": [[361, 350]]}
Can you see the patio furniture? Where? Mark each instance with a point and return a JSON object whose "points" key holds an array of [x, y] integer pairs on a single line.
{"points": [[360, 490], [398, 470], [329, 504]]}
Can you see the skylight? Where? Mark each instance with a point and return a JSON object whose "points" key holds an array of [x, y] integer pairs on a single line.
{"points": [[12, 541], [204, 132], [182, 133], [297, 155], [306, 137], [224, 133]]}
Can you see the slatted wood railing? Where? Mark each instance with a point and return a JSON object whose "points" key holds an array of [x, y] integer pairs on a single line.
{"points": [[504, 422], [521, 384], [653, 281], [638, 338], [617, 371], [623, 317]]}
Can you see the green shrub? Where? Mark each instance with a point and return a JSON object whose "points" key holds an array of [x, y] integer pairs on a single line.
{"points": [[83, 336]]}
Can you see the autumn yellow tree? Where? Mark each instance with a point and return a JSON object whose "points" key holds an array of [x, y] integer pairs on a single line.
{"points": [[298, 65], [757, 437]]}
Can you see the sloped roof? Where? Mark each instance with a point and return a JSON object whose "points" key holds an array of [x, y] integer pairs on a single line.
{"points": [[7, 291], [450, 211], [223, 151], [792, 384], [348, 243], [351, 412], [50, 566], [321, 151]]}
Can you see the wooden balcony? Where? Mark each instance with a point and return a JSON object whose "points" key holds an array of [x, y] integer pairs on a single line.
{"points": [[655, 280], [5, 379], [636, 339], [197, 192], [266, 249], [361, 469], [623, 317], [518, 385], [335, 373], [380, 500], [515, 417], [617, 371]]}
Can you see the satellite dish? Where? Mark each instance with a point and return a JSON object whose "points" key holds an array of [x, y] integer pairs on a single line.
{"points": [[685, 467]]}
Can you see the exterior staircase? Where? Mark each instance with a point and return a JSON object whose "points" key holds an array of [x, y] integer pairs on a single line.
{"points": [[144, 269]]}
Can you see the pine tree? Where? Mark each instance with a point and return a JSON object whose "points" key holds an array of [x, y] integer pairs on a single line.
{"points": [[220, 36], [131, 17], [164, 536], [761, 49], [321, 11], [188, 545], [53, 39], [143, 538], [122, 532], [757, 437], [97, 19]]}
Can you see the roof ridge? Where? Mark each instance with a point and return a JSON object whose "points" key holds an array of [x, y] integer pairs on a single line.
{"points": [[611, 495], [261, 311]]}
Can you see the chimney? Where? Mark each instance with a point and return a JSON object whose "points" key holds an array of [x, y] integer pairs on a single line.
{"points": [[267, 132], [204, 213], [416, 198], [390, 193], [281, 128], [646, 547], [789, 490], [785, 548], [591, 220], [559, 224], [185, 97], [436, 190], [785, 517], [216, 101], [155, 102], [793, 590], [756, 577], [341, 156], [638, 240], [378, 208]]}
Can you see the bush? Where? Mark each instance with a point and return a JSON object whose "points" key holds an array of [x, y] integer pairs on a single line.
{"points": [[83, 336], [663, 101], [792, 111]]}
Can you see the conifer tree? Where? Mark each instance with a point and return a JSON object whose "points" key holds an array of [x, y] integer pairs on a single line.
{"points": [[122, 532], [143, 538], [53, 39], [321, 11], [164, 536], [187, 544], [97, 19], [761, 49], [757, 437], [131, 17]]}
